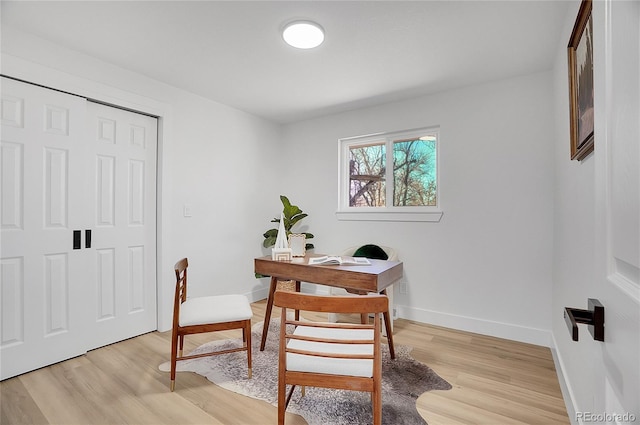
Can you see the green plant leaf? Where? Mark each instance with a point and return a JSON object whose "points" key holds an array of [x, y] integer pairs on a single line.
{"points": [[271, 233], [291, 211], [269, 241], [285, 201], [297, 218]]}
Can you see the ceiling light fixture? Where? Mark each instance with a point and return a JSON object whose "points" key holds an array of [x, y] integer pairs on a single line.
{"points": [[303, 34]]}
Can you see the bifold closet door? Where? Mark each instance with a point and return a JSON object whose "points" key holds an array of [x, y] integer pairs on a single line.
{"points": [[78, 216], [44, 290], [122, 208]]}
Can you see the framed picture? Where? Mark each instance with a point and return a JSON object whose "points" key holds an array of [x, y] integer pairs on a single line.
{"points": [[298, 243], [580, 52]]}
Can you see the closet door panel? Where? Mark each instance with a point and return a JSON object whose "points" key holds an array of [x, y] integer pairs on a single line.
{"points": [[43, 181], [123, 147]]}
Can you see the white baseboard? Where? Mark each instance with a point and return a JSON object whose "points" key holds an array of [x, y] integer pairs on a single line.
{"points": [[565, 385], [258, 294], [470, 324]]}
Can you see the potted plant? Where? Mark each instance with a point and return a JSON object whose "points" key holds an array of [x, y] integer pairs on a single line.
{"points": [[292, 214]]}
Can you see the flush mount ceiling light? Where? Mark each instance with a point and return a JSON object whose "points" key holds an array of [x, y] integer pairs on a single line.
{"points": [[303, 34]]}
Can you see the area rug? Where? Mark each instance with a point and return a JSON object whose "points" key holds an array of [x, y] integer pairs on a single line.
{"points": [[403, 380]]}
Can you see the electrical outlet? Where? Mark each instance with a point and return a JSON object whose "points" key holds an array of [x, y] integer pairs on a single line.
{"points": [[404, 288]]}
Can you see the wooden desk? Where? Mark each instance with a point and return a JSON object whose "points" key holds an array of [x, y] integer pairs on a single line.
{"points": [[355, 279]]}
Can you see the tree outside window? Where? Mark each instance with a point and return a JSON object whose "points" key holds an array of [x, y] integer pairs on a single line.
{"points": [[412, 178]]}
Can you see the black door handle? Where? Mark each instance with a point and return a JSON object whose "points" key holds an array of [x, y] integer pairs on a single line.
{"points": [[593, 316], [87, 238], [76, 239]]}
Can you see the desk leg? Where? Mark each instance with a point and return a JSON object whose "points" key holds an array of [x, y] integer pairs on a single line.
{"points": [[267, 314], [297, 290], [387, 326]]}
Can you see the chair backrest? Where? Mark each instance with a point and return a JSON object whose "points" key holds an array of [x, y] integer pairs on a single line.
{"points": [[181, 288], [362, 304], [331, 304]]}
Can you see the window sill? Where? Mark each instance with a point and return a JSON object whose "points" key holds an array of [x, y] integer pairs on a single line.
{"points": [[431, 216]]}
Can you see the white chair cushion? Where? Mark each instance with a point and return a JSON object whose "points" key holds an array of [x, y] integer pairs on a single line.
{"points": [[350, 367], [214, 309]]}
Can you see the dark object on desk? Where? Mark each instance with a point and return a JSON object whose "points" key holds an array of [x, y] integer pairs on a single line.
{"points": [[371, 251]]}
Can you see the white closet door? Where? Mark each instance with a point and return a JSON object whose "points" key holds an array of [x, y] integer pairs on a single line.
{"points": [[43, 293], [122, 208], [69, 167]]}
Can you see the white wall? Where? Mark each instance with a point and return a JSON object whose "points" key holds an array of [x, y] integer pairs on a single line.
{"points": [[573, 242], [486, 266], [215, 158]]}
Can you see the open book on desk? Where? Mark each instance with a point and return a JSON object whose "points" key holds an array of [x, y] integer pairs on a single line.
{"points": [[329, 260]]}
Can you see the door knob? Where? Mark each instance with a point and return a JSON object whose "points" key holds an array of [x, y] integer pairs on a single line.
{"points": [[593, 317]]}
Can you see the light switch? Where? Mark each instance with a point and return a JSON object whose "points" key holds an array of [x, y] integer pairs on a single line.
{"points": [[186, 210]]}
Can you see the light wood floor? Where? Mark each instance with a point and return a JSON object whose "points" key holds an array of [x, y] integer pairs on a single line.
{"points": [[494, 382]]}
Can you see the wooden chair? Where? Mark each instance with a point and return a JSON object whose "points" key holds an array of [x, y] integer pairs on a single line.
{"points": [[206, 314], [330, 355]]}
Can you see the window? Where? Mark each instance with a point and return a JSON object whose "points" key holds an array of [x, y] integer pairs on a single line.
{"points": [[405, 191]]}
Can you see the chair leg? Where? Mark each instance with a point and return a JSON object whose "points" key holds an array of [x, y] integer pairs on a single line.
{"points": [[246, 336], [174, 352], [282, 404], [286, 403], [377, 406]]}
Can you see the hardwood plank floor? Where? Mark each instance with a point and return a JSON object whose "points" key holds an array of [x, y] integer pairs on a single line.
{"points": [[494, 382]]}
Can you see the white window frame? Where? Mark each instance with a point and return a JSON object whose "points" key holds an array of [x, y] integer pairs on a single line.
{"points": [[386, 213]]}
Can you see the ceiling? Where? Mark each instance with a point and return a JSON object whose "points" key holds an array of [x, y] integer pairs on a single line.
{"points": [[374, 52]]}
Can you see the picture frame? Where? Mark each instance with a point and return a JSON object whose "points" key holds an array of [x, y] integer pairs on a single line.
{"points": [[581, 105], [298, 243]]}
